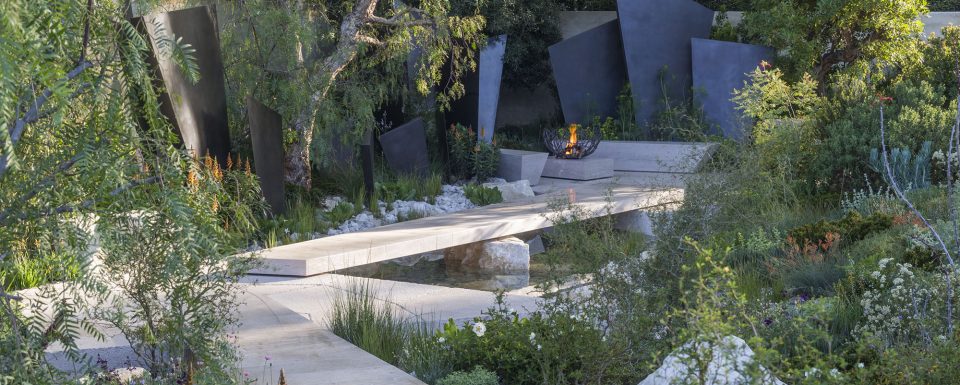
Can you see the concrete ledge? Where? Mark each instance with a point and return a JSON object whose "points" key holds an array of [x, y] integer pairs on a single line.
{"points": [[579, 169], [669, 157], [518, 165]]}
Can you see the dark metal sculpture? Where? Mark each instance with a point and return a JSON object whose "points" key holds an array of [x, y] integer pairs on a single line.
{"points": [[266, 133], [590, 73], [720, 67], [478, 106], [198, 111], [574, 142], [656, 44], [405, 148]]}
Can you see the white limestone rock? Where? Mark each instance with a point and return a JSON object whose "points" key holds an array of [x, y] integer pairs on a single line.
{"points": [[511, 191], [731, 363], [502, 256]]}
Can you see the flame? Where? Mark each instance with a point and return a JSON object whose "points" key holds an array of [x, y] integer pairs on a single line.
{"points": [[572, 148]]}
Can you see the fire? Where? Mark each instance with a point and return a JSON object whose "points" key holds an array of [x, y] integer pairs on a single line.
{"points": [[572, 148]]}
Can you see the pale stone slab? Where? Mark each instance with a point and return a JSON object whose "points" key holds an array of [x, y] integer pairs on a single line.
{"points": [[667, 157], [307, 352], [519, 165], [441, 232], [579, 169]]}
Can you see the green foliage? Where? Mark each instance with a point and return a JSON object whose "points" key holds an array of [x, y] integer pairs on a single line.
{"points": [[530, 26], [821, 37], [97, 165], [482, 196], [910, 170], [477, 376], [722, 29], [372, 324], [852, 227], [540, 348], [471, 157]]}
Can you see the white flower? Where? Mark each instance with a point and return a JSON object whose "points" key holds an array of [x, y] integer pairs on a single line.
{"points": [[538, 347], [834, 372], [441, 340], [859, 365], [811, 372], [533, 336], [479, 329]]}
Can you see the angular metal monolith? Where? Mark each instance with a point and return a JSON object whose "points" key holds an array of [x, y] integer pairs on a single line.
{"points": [[590, 73], [719, 68], [656, 44], [198, 111], [266, 133]]}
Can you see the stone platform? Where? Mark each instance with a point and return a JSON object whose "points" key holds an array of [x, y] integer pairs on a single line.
{"points": [[590, 168], [660, 157]]}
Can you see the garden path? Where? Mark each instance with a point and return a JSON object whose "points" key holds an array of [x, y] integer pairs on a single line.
{"points": [[429, 234]]}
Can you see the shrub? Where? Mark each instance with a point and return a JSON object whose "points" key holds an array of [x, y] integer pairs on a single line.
{"points": [[821, 37], [478, 376], [541, 348], [482, 196], [471, 157], [851, 228]]}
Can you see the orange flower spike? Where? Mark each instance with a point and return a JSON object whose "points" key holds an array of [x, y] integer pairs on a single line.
{"points": [[229, 162], [246, 167]]}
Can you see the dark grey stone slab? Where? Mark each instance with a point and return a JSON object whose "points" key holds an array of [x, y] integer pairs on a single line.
{"points": [[366, 158], [405, 148], [478, 106], [589, 72], [266, 132], [197, 111], [656, 35], [720, 67]]}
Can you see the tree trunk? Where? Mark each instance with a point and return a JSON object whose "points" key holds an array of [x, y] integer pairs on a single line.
{"points": [[297, 162]]}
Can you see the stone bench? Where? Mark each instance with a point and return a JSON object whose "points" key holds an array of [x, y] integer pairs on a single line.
{"points": [[671, 157]]}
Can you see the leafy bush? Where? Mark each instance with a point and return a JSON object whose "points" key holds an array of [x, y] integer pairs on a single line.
{"points": [[482, 196], [551, 348], [910, 170], [471, 157], [822, 37], [477, 376], [851, 228]]}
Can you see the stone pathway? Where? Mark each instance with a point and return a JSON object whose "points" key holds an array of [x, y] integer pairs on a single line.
{"points": [[441, 232]]}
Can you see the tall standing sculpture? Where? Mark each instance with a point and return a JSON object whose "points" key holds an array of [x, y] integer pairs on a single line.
{"points": [[656, 44], [198, 111], [719, 68], [590, 73], [478, 106], [266, 133]]}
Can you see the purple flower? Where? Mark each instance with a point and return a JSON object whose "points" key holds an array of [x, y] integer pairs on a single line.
{"points": [[768, 321], [266, 358]]}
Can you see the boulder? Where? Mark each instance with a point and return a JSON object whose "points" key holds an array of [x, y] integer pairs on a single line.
{"points": [[511, 191], [730, 362], [506, 256]]}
